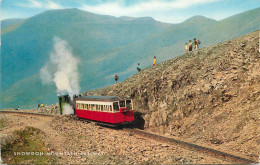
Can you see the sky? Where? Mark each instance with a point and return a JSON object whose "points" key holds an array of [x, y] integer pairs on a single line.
{"points": [[170, 11]]}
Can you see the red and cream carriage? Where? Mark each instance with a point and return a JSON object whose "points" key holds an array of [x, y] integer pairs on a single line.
{"points": [[107, 109]]}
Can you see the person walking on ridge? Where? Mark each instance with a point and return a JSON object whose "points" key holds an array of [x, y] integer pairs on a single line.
{"points": [[186, 47], [190, 46], [139, 68], [116, 78], [196, 43], [154, 60]]}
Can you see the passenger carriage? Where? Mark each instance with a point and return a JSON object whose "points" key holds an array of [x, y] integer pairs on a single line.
{"points": [[108, 109]]}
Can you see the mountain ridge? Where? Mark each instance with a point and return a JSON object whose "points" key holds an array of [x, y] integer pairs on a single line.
{"points": [[199, 19]]}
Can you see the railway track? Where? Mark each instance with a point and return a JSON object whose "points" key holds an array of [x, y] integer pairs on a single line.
{"points": [[211, 152], [27, 113], [193, 147]]}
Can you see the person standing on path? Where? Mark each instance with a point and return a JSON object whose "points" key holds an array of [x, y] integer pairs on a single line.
{"points": [[139, 68], [116, 78], [196, 43], [186, 47], [154, 60], [190, 46]]}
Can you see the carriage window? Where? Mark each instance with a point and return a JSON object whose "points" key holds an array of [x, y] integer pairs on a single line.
{"points": [[129, 104], [97, 106], [115, 105], [86, 106], [122, 103], [94, 107], [101, 108], [110, 108], [78, 106], [83, 107]]}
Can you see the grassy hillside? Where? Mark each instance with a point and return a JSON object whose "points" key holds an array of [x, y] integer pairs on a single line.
{"points": [[26, 47], [105, 45]]}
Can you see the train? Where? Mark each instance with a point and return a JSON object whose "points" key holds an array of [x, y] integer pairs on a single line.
{"points": [[112, 110]]}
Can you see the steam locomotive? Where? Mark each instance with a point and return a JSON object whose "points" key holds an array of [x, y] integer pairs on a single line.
{"points": [[113, 110]]}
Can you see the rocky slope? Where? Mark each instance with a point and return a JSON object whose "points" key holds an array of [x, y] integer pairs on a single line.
{"points": [[210, 97]]}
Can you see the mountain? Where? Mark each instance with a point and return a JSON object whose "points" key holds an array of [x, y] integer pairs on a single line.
{"points": [[210, 97], [26, 49], [105, 45]]}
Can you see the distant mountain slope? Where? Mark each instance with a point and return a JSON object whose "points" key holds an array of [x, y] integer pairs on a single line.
{"points": [[209, 97], [8, 22], [9, 25], [88, 34], [105, 45]]}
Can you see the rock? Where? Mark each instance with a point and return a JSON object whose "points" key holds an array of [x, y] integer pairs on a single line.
{"points": [[234, 78], [243, 45]]}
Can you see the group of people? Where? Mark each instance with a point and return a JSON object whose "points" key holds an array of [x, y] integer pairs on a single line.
{"points": [[40, 105], [139, 68], [189, 47]]}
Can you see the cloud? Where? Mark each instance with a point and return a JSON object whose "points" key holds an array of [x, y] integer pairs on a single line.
{"points": [[120, 9], [46, 4]]}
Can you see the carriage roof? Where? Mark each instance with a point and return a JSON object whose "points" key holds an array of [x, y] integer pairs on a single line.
{"points": [[102, 98]]}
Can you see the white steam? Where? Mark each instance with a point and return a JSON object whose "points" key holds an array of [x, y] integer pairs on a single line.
{"points": [[67, 110], [62, 69]]}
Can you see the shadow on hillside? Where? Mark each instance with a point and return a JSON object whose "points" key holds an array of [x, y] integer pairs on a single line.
{"points": [[139, 121]]}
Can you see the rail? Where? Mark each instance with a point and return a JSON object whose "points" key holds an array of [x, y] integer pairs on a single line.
{"points": [[193, 147], [27, 113]]}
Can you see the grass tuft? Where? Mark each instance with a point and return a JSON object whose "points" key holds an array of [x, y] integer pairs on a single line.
{"points": [[29, 147]]}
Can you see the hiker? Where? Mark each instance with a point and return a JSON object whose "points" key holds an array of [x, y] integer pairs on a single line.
{"points": [[38, 106], [186, 47], [190, 46], [18, 108], [139, 68], [154, 60], [116, 78], [196, 43]]}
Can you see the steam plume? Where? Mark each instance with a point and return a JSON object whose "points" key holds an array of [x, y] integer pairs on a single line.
{"points": [[67, 110], [62, 69]]}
